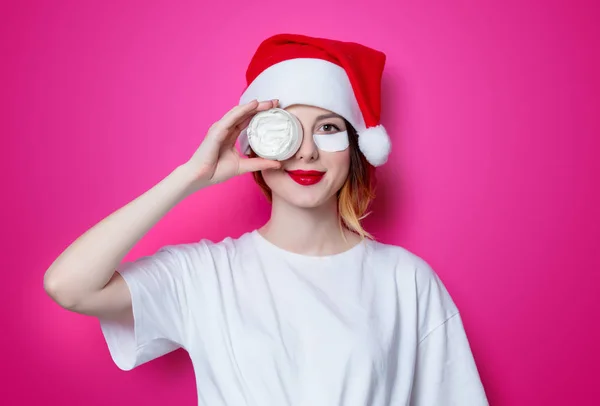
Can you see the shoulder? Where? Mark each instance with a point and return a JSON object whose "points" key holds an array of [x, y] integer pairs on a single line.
{"points": [[208, 249], [225, 246], [416, 277], [404, 262], [187, 265]]}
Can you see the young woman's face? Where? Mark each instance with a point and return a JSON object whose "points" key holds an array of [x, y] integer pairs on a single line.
{"points": [[330, 168]]}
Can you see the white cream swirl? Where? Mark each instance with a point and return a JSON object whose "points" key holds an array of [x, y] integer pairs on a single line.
{"points": [[274, 134]]}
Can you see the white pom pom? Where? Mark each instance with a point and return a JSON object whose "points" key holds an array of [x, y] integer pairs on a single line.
{"points": [[375, 145]]}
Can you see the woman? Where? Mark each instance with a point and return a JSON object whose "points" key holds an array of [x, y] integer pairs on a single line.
{"points": [[306, 310]]}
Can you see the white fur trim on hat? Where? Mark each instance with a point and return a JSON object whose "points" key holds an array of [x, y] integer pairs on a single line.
{"points": [[320, 83], [375, 144], [314, 82]]}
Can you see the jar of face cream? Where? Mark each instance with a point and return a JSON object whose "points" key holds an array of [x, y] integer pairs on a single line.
{"points": [[274, 134]]}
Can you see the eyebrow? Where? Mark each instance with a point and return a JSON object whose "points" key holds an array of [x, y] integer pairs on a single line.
{"points": [[330, 115]]}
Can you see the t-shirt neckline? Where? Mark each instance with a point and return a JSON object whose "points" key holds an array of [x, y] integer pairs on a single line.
{"points": [[275, 249]]}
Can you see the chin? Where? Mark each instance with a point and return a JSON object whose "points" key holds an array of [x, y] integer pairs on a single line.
{"points": [[303, 199]]}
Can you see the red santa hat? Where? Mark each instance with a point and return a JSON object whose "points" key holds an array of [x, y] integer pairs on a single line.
{"points": [[343, 77]]}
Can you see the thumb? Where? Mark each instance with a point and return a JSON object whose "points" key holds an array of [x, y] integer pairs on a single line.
{"points": [[257, 164]]}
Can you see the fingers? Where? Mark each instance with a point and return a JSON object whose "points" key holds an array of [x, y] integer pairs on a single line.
{"points": [[236, 113], [235, 133], [239, 113], [243, 124], [245, 121], [257, 164], [225, 132]]}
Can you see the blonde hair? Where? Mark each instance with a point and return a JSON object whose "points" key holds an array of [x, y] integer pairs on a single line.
{"points": [[354, 197]]}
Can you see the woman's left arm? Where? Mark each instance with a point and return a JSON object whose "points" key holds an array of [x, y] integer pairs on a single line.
{"points": [[445, 369], [446, 373]]}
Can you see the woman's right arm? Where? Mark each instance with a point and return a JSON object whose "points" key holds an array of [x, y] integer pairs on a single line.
{"points": [[83, 278]]}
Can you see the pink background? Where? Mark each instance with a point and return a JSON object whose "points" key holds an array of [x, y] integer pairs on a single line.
{"points": [[493, 178]]}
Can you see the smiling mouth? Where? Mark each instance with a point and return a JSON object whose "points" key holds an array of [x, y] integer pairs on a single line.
{"points": [[306, 178]]}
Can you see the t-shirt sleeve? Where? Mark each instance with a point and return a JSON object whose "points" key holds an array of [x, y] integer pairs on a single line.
{"points": [[157, 284], [445, 370]]}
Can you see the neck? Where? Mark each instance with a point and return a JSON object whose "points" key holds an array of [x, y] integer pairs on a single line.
{"points": [[308, 231]]}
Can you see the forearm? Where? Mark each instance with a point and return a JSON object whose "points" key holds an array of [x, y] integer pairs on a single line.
{"points": [[89, 262]]}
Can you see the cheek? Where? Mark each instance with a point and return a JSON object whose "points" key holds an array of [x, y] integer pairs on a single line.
{"points": [[274, 178], [339, 165]]}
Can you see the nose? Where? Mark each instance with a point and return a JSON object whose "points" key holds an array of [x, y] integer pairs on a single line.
{"points": [[308, 151]]}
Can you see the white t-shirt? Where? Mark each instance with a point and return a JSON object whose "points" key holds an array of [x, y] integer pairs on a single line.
{"points": [[373, 325]]}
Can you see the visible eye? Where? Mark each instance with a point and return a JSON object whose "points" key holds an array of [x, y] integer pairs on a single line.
{"points": [[330, 128]]}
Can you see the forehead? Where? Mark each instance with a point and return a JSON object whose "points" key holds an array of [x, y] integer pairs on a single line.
{"points": [[310, 112]]}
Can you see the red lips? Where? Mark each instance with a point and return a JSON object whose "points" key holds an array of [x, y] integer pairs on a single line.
{"points": [[306, 178]]}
